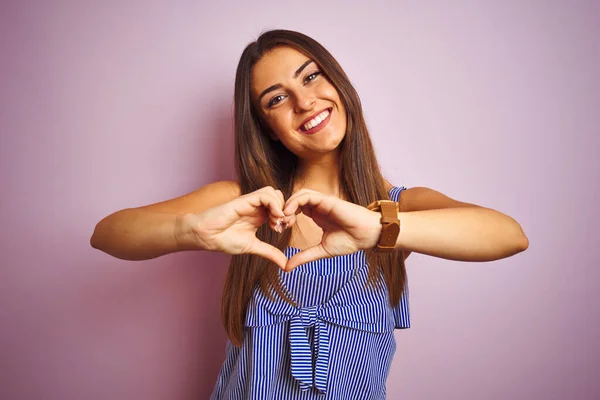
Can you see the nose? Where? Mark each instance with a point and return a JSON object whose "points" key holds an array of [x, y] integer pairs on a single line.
{"points": [[304, 101]]}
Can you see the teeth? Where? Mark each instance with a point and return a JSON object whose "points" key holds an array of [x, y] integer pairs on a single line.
{"points": [[316, 120]]}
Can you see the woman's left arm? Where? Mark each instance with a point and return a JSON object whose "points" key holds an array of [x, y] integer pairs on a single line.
{"points": [[432, 223]]}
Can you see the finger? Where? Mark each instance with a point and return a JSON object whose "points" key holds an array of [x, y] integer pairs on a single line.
{"points": [[311, 199], [268, 200], [281, 223], [274, 205], [269, 252], [277, 225], [279, 195], [289, 221], [274, 225], [292, 198], [305, 256]]}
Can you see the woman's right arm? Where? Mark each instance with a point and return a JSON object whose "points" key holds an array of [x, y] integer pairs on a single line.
{"points": [[154, 230]]}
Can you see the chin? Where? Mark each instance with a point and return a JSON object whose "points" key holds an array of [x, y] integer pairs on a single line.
{"points": [[331, 147]]}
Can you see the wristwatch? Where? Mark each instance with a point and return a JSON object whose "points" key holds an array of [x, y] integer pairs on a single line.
{"points": [[390, 225]]}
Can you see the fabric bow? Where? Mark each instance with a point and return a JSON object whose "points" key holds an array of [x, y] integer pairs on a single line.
{"points": [[349, 308]]}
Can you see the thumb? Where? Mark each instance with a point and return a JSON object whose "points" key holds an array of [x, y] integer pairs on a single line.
{"points": [[269, 252], [305, 256]]}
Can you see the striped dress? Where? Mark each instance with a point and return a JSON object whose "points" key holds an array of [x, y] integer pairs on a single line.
{"points": [[337, 343]]}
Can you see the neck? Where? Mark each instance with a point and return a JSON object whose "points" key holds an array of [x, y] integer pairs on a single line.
{"points": [[320, 174]]}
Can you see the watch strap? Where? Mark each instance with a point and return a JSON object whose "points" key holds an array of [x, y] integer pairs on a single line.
{"points": [[390, 228]]}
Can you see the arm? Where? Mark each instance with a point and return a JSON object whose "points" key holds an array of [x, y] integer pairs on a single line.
{"points": [[436, 225], [154, 230], [431, 223]]}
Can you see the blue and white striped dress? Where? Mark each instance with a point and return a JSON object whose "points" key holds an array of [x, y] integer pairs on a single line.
{"points": [[338, 343]]}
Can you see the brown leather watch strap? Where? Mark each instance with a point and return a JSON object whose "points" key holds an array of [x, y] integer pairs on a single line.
{"points": [[390, 225]]}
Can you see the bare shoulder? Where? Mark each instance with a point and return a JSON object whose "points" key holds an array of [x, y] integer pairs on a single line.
{"points": [[201, 199], [423, 198]]}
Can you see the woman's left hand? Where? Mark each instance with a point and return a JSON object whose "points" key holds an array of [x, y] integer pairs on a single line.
{"points": [[347, 227]]}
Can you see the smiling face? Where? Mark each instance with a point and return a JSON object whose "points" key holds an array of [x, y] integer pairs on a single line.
{"points": [[298, 103]]}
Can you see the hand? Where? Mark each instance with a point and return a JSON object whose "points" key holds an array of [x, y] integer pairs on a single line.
{"points": [[347, 227], [231, 227]]}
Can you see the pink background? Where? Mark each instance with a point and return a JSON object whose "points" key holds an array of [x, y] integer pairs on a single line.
{"points": [[118, 105]]}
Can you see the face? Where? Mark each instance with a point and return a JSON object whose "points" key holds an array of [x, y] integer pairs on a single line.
{"points": [[298, 103]]}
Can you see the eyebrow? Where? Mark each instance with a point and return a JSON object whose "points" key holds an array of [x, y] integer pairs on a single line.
{"points": [[278, 86]]}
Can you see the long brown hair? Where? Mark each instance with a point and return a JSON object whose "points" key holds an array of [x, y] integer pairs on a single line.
{"points": [[261, 161]]}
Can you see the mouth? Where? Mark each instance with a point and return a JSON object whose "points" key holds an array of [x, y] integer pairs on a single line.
{"points": [[316, 122]]}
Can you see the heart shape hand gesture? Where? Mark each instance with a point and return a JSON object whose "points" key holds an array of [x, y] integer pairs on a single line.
{"points": [[347, 227], [231, 227]]}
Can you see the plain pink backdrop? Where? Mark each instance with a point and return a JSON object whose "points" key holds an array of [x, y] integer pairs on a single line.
{"points": [[118, 104]]}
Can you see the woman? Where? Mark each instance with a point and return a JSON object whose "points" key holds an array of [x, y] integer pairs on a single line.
{"points": [[320, 326]]}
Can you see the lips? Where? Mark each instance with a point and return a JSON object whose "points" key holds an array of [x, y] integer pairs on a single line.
{"points": [[301, 127]]}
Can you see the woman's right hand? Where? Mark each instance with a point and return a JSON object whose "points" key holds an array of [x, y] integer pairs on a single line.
{"points": [[231, 227]]}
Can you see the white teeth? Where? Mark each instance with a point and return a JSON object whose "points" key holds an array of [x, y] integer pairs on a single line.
{"points": [[316, 120]]}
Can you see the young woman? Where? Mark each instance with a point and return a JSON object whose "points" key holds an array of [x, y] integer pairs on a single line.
{"points": [[321, 325]]}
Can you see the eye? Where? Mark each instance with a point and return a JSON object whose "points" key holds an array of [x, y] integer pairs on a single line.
{"points": [[275, 100], [311, 77]]}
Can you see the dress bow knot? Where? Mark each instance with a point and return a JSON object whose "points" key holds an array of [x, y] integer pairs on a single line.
{"points": [[348, 308]]}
